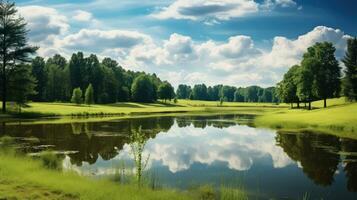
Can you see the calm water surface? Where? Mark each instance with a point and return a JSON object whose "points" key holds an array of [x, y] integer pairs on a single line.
{"points": [[186, 151]]}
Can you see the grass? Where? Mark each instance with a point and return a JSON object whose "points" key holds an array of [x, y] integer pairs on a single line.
{"points": [[339, 118], [67, 112], [25, 178]]}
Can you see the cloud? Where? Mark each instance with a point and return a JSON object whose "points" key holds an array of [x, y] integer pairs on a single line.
{"points": [[93, 40], [44, 23], [202, 9], [180, 148], [286, 52], [83, 16], [210, 11], [273, 4]]}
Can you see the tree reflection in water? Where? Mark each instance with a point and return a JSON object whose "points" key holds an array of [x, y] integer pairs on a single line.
{"points": [[319, 156]]}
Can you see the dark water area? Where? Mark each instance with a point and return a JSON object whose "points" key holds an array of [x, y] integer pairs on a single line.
{"points": [[219, 150]]}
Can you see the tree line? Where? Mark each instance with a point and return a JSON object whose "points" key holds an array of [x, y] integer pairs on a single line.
{"points": [[107, 82], [227, 93], [319, 76]]}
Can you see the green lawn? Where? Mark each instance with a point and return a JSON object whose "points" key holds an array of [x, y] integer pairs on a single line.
{"points": [[130, 108], [339, 118]]}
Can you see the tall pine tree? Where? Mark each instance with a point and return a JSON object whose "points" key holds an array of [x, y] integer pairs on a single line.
{"points": [[13, 45]]}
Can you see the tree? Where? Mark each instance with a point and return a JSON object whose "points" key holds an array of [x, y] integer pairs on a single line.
{"points": [[89, 95], [252, 94], [199, 92], [39, 72], [183, 91], [327, 80], [287, 88], [58, 60], [305, 80], [57, 85], [143, 89], [350, 79], [13, 45], [22, 85], [77, 70], [238, 95], [77, 96], [166, 91], [227, 92]]}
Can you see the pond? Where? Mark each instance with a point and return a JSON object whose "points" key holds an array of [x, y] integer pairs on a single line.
{"points": [[183, 152]]}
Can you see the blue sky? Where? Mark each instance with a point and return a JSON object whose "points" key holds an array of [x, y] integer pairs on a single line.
{"points": [[237, 42]]}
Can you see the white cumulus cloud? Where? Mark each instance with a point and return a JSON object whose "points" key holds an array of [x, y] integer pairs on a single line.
{"points": [[83, 16]]}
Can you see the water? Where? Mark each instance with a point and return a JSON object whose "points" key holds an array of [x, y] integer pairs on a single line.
{"points": [[184, 152]]}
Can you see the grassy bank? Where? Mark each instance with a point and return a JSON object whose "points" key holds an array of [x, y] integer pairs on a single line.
{"points": [[339, 118], [24, 178]]}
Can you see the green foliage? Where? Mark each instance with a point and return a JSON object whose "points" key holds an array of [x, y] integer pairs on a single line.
{"points": [[39, 72], [77, 96], [199, 92], [305, 80], [325, 68], [318, 77], [350, 61], [183, 91], [21, 85], [166, 91], [227, 92], [175, 100], [143, 89], [14, 49], [89, 95], [287, 88]]}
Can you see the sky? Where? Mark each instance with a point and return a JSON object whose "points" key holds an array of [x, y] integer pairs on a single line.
{"points": [[233, 42]]}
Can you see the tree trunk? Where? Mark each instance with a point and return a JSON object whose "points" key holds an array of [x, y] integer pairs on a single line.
{"points": [[298, 104], [309, 105], [305, 104], [325, 104], [291, 105]]}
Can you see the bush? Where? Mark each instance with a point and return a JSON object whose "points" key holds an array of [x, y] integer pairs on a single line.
{"points": [[89, 95], [77, 96]]}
